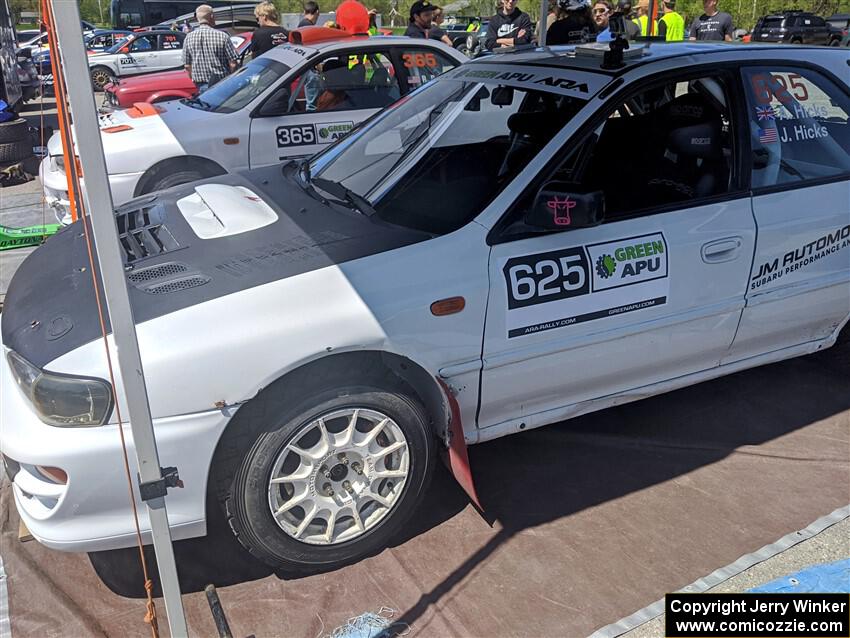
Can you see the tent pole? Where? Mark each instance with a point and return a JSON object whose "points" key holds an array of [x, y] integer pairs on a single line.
{"points": [[98, 199]]}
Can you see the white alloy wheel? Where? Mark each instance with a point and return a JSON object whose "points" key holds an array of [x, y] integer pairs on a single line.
{"points": [[339, 476]]}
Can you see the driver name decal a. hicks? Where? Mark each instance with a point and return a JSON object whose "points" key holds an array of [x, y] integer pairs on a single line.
{"points": [[574, 285]]}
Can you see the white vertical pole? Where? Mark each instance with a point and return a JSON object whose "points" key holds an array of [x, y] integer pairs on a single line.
{"points": [[544, 14], [99, 206]]}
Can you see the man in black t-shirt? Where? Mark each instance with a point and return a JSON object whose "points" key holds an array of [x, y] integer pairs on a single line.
{"points": [[311, 14], [269, 34], [712, 25], [421, 13]]}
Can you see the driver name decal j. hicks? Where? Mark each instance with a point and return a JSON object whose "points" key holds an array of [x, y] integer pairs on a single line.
{"points": [[574, 285]]}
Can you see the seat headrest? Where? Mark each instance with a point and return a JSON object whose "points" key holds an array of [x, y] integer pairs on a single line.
{"points": [[693, 126]]}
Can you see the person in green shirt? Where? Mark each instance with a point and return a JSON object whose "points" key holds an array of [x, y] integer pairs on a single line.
{"points": [[671, 25]]}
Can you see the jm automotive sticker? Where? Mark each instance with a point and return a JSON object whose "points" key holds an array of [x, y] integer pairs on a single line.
{"points": [[585, 283]]}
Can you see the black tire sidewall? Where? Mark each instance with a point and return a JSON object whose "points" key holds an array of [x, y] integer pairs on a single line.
{"points": [[13, 152], [247, 502], [14, 131], [175, 179]]}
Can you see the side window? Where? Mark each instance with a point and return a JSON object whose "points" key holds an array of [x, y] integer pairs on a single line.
{"points": [[344, 82], [818, 22], [423, 65], [143, 44], [682, 134], [799, 125], [169, 42]]}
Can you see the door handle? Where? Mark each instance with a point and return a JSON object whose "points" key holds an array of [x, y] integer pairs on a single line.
{"points": [[720, 250]]}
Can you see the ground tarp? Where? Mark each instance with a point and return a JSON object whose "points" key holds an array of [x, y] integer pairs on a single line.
{"points": [[595, 518]]}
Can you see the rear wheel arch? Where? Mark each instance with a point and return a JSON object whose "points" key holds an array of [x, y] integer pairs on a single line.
{"points": [[188, 163]]}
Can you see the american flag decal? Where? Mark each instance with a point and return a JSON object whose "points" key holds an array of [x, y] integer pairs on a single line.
{"points": [[768, 135], [765, 113]]}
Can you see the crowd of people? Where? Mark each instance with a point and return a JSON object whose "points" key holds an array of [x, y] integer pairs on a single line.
{"points": [[581, 21], [209, 54]]}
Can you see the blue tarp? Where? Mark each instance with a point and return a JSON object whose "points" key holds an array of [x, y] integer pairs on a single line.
{"points": [[826, 578]]}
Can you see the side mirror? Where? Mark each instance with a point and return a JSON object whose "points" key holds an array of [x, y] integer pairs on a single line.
{"points": [[558, 207]]}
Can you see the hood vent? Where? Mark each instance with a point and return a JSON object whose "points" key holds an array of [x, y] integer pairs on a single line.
{"points": [[143, 234], [176, 285], [143, 275], [218, 210], [164, 278]]}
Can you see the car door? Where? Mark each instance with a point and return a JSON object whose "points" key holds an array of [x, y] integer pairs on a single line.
{"points": [[653, 293], [170, 51], [799, 288], [321, 104], [139, 56]]}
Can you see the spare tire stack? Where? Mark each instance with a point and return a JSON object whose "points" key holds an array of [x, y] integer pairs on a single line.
{"points": [[15, 141]]}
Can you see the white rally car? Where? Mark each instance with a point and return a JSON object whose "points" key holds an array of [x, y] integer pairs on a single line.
{"points": [[484, 257], [143, 52], [293, 101]]}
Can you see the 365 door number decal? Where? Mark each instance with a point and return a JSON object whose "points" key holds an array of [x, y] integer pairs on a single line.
{"points": [[584, 283], [296, 135]]}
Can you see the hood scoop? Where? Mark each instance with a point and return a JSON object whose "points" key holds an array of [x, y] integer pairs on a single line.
{"points": [[216, 210]]}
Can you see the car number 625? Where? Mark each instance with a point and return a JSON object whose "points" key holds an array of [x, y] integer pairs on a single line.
{"points": [[546, 277]]}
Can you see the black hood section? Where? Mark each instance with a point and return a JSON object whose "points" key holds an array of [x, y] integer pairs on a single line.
{"points": [[50, 307]]}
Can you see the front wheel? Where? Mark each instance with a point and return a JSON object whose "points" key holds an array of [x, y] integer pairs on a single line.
{"points": [[100, 77], [331, 480]]}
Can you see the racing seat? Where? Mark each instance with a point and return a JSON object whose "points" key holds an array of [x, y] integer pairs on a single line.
{"points": [[687, 159]]}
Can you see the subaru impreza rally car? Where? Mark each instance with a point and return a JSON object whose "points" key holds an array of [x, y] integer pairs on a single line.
{"points": [[145, 52], [291, 102], [314, 333]]}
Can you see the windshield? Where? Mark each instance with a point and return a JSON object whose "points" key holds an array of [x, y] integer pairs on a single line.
{"points": [[240, 88], [435, 159]]}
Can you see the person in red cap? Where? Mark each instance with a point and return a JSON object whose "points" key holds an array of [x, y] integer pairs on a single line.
{"points": [[421, 13]]}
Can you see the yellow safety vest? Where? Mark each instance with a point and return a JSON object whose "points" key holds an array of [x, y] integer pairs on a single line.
{"points": [[642, 22], [675, 26]]}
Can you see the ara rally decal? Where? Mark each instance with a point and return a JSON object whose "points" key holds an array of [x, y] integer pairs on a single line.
{"points": [[576, 84], [585, 283]]}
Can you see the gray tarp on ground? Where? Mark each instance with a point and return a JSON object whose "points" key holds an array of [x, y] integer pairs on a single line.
{"points": [[596, 517]]}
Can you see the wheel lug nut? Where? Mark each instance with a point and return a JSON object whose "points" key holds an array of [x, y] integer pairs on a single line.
{"points": [[342, 458], [357, 469], [347, 486], [328, 490]]}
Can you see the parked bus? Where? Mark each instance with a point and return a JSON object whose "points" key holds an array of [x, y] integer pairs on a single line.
{"points": [[129, 14]]}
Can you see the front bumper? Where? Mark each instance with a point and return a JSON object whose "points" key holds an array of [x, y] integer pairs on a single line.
{"points": [[91, 511], [55, 186]]}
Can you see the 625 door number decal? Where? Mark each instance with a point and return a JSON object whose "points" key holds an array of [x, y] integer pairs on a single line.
{"points": [[296, 135], [534, 279]]}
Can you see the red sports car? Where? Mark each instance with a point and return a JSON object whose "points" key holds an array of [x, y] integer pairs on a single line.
{"points": [[168, 85]]}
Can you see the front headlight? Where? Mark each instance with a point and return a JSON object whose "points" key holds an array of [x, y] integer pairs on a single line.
{"points": [[62, 400]]}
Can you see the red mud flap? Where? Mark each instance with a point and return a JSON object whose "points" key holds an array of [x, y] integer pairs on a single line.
{"points": [[456, 457]]}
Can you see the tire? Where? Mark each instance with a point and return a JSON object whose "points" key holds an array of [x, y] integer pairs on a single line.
{"points": [[834, 42], [11, 152], [796, 41], [249, 497], [174, 179], [14, 130], [100, 77]]}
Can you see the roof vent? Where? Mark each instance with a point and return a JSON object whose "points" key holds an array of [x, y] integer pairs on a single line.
{"points": [[159, 271]]}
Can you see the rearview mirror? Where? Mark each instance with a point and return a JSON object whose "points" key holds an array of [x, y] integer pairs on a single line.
{"points": [[558, 207], [503, 96]]}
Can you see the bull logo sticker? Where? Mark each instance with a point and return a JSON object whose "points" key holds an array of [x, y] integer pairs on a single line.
{"points": [[561, 210]]}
